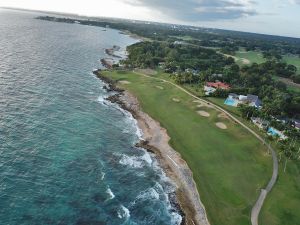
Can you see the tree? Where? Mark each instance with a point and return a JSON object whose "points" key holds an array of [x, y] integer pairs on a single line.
{"points": [[248, 111]]}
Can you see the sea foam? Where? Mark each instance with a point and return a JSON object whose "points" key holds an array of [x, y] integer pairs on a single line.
{"points": [[136, 161], [123, 213], [110, 194]]}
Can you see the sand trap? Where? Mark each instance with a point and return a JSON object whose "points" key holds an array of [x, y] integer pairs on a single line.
{"points": [[203, 104], [203, 113], [160, 87], [221, 125], [245, 61], [223, 115], [176, 99], [124, 82]]}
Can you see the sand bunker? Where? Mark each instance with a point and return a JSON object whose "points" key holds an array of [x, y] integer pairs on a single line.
{"points": [[223, 115], [124, 82], [221, 125], [160, 87], [176, 99], [245, 61], [203, 113], [203, 104]]}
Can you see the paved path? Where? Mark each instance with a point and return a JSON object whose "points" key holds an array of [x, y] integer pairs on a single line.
{"points": [[259, 203]]}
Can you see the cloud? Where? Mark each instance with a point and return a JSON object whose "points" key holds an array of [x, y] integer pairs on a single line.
{"points": [[200, 10], [294, 1]]}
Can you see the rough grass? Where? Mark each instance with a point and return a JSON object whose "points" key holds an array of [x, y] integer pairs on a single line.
{"points": [[229, 166]]}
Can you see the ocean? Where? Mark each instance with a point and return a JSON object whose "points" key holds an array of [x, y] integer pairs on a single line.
{"points": [[66, 155]]}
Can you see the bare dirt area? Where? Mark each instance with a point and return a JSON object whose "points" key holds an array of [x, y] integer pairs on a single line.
{"points": [[124, 82]]}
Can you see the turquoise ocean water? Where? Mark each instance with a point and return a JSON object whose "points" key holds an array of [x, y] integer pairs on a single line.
{"points": [[66, 156]]}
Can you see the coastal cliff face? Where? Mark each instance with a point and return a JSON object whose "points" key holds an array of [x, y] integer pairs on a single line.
{"points": [[156, 140]]}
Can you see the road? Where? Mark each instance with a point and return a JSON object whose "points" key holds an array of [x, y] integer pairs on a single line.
{"points": [[260, 201]]}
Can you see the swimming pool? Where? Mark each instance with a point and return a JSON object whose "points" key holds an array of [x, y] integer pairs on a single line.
{"points": [[231, 102], [272, 131]]}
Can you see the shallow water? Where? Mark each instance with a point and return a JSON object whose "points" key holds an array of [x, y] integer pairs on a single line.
{"points": [[65, 156]]}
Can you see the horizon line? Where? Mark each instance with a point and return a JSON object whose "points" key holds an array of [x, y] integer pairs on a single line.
{"points": [[121, 18]]}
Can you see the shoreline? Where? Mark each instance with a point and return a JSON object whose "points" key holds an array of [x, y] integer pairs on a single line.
{"points": [[156, 140]]}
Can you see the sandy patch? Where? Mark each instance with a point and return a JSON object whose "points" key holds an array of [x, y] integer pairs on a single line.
{"points": [[223, 115], [124, 82], [203, 104], [176, 99], [160, 87], [221, 125], [245, 61], [203, 113]]}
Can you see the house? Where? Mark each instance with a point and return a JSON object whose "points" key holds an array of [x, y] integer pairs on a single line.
{"points": [[194, 72], [162, 65], [296, 124], [251, 100], [211, 87], [179, 42], [276, 133], [217, 75], [209, 90], [262, 124], [218, 85]]}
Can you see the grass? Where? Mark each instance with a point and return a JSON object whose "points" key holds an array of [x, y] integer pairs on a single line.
{"points": [[294, 60], [252, 56], [289, 86], [229, 166], [282, 205]]}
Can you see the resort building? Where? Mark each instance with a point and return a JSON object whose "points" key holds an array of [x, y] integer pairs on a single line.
{"points": [[211, 87], [218, 85], [262, 124], [251, 100], [209, 90]]}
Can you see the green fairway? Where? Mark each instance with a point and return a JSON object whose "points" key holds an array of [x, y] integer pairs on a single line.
{"points": [[282, 205], [294, 60], [230, 166], [244, 58]]}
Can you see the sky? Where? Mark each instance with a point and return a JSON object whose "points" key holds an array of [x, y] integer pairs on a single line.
{"points": [[278, 17]]}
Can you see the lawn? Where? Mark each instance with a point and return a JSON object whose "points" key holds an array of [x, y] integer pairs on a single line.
{"points": [[229, 166], [294, 60], [282, 205], [251, 57]]}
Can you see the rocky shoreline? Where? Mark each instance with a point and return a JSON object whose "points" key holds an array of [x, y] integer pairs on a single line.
{"points": [[111, 51], [186, 200]]}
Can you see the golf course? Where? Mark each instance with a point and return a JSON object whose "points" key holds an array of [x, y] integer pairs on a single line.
{"points": [[230, 166]]}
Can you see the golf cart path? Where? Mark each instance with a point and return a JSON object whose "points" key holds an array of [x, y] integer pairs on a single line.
{"points": [[260, 201]]}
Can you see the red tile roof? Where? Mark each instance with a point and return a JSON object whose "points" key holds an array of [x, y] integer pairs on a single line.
{"points": [[218, 85]]}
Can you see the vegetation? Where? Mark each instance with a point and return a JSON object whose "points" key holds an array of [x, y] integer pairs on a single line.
{"points": [[199, 36], [174, 56], [249, 57], [189, 64]]}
